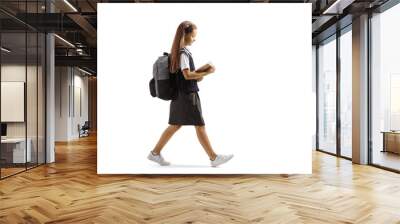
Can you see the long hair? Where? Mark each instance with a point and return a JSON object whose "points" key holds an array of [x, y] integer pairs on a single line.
{"points": [[185, 28]]}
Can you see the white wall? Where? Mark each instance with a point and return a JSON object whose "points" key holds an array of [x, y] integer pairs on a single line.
{"points": [[70, 83], [12, 73], [15, 72], [61, 103]]}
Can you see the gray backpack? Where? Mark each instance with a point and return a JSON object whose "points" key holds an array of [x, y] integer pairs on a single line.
{"points": [[163, 84]]}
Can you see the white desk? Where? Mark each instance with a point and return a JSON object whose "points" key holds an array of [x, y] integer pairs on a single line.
{"points": [[18, 149]]}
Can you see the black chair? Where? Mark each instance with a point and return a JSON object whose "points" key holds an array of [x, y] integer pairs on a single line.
{"points": [[84, 130]]}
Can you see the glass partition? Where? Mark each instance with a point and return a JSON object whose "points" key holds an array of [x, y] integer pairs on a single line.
{"points": [[22, 67], [14, 153], [346, 93], [327, 95], [32, 95], [385, 89]]}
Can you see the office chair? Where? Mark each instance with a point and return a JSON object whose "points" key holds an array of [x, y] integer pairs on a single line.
{"points": [[84, 130]]}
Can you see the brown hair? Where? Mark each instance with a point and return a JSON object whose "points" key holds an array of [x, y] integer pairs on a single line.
{"points": [[185, 28]]}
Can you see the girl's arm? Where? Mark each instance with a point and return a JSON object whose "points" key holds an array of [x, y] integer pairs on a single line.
{"points": [[195, 75], [203, 68]]}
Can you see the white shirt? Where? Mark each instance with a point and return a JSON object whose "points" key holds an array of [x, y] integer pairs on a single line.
{"points": [[184, 62]]}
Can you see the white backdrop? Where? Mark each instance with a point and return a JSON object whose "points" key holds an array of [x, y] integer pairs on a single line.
{"points": [[257, 105]]}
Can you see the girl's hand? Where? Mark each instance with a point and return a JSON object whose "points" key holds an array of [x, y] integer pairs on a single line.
{"points": [[211, 69], [199, 79]]}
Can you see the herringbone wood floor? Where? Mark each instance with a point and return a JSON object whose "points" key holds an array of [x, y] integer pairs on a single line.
{"points": [[70, 191]]}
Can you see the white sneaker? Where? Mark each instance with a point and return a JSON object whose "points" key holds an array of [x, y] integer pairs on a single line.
{"points": [[221, 159], [158, 159]]}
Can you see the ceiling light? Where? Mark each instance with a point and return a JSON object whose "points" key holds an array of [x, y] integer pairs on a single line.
{"points": [[338, 6], [70, 5], [5, 49], [86, 72], [64, 40]]}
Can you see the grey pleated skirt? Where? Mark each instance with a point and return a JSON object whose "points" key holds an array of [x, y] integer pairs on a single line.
{"points": [[186, 110]]}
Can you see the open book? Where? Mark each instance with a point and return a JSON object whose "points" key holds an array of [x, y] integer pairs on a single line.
{"points": [[205, 67]]}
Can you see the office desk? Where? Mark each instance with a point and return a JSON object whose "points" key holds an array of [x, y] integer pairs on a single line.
{"points": [[391, 141], [13, 150]]}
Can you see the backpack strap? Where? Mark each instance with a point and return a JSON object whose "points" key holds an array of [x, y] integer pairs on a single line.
{"points": [[185, 51]]}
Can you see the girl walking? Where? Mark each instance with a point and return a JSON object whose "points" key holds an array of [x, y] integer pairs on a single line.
{"points": [[186, 108]]}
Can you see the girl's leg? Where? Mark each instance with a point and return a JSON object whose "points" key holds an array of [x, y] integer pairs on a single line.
{"points": [[203, 139], [166, 135]]}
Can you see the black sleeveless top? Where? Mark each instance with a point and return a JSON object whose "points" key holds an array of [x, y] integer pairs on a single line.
{"points": [[187, 86]]}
